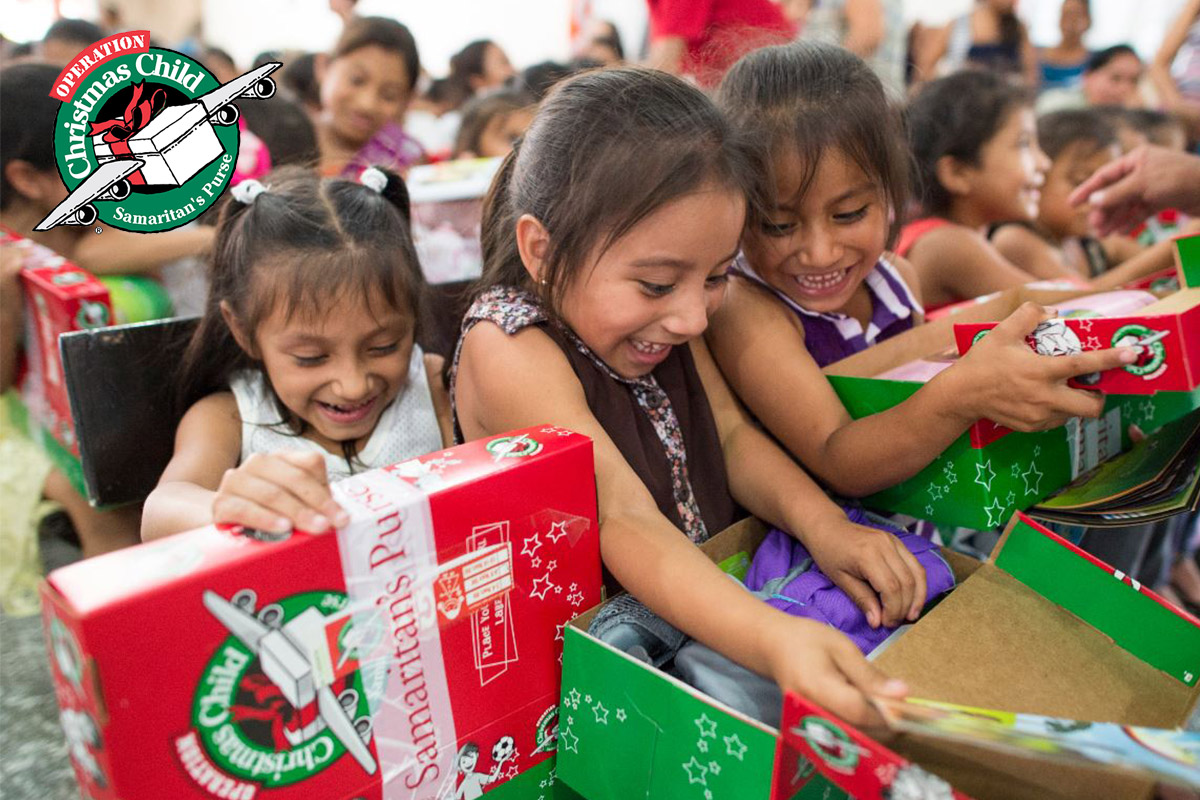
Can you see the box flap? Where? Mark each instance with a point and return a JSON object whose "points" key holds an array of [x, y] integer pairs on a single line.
{"points": [[1187, 260], [1133, 617]]}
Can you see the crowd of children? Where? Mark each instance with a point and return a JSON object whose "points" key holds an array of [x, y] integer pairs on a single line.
{"points": [[664, 270]]}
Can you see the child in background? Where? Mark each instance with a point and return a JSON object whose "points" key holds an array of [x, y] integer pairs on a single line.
{"points": [[365, 85], [815, 285], [607, 236], [308, 342], [1078, 142], [491, 124], [974, 140], [478, 68]]}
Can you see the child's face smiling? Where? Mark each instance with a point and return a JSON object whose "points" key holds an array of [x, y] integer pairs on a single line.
{"points": [[657, 285], [817, 249], [338, 370], [1073, 166], [361, 91], [1006, 184]]}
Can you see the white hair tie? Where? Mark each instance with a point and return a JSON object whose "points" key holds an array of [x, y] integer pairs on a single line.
{"points": [[374, 179], [247, 191]]}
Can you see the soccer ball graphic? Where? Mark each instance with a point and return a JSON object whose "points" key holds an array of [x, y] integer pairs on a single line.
{"points": [[1054, 338], [504, 749]]}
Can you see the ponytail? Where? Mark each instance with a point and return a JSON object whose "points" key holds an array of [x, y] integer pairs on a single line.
{"points": [[502, 263]]}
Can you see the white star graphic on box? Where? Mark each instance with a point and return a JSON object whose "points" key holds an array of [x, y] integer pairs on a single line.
{"points": [[557, 531], [1092, 343], [573, 698], [547, 585], [551, 566], [570, 719], [735, 747], [587, 698], [620, 715], [702, 746], [535, 562], [936, 490], [928, 509], [1011, 499], [708, 794], [530, 546], [575, 598], [511, 772], [984, 475], [1016, 470], [951, 475], [697, 772], [601, 713], [558, 590], [1146, 410], [995, 512], [1034, 477], [574, 587], [570, 741], [1085, 325], [708, 727], [558, 636], [1037, 450], [714, 768], [556, 431]]}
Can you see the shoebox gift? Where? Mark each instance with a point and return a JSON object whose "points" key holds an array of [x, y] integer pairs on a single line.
{"points": [[59, 298], [991, 471], [1167, 331], [175, 143], [1093, 673], [1042, 630], [447, 213], [627, 729], [413, 654]]}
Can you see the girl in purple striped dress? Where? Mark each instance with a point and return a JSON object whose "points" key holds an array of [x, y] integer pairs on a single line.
{"points": [[814, 284]]}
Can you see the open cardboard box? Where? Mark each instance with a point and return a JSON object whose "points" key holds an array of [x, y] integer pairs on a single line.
{"points": [[990, 471], [1041, 628]]}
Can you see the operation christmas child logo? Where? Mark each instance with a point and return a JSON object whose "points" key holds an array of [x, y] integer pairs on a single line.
{"points": [[147, 138], [283, 698]]}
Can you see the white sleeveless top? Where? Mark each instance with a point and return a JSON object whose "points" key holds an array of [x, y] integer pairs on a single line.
{"points": [[406, 429]]}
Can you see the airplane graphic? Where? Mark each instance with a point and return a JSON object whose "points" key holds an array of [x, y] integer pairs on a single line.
{"points": [[110, 181], [289, 656]]}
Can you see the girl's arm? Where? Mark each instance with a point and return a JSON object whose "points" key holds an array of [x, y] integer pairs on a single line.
{"points": [[119, 252], [507, 382], [956, 263], [864, 27], [203, 483], [1031, 253], [1160, 67], [790, 395], [871, 566], [12, 311]]}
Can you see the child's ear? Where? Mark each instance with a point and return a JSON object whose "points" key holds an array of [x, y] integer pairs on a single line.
{"points": [[954, 175], [239, 333], [533, 242], [30, 182]]}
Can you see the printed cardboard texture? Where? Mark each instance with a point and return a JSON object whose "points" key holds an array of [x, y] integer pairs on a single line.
{"points": [[990, 472], [629, 730], [1041, 629], [413, 654]]}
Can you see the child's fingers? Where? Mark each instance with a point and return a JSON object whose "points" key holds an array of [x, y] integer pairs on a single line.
{"points": [[1110, 173], [311, 488], [1136, 434], [864, 597], [894, 584], [275, 495], [1063, 367], [1021, 322], [312, 463], [918, 576], [317, 494], [236, 510]]}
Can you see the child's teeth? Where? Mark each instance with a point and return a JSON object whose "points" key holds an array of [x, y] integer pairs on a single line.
{"points": [[823, 281], [648, 348]]}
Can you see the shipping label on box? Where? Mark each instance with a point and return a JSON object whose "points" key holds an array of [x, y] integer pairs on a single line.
{"points": [[413, 654], [59, 298]]}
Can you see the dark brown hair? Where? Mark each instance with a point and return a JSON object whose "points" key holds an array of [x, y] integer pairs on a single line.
{"points": [[479, 112], [808, 97], [385, 33], [1061, 129], [606, 149], [956, 116], [302, 242]]}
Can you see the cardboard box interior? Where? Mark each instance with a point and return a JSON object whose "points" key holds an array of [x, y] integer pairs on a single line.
{"points": [[1059, 641]]}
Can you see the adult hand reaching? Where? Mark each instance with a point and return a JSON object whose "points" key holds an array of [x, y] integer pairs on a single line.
{"points": [[1123, 193]]}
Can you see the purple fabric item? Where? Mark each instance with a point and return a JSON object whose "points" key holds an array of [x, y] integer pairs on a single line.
{"points": [[832, 336], [811, 594], [390, 148]]}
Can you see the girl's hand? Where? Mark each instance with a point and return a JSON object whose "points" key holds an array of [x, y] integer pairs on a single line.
{"points": [[826, 667], [277, 492], [1003, 380], [870, 565]]}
